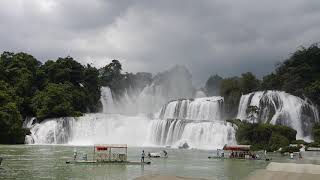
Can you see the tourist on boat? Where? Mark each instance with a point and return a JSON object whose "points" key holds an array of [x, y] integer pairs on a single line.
{"points": [[291, 155], [142, 156], [165, 153]]}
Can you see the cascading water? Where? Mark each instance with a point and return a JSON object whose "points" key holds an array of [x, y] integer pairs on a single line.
{"points": [[278, 107], [197, 122], [106, 100], [91, 129], [203, 135], [207, 108]]}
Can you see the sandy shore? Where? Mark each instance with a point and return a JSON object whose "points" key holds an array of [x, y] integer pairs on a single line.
{"points": [[292, 171], [165, 177]]}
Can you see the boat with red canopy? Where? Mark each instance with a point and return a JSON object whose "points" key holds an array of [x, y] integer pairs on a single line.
{"points": [[236, 152], [107, 154]]}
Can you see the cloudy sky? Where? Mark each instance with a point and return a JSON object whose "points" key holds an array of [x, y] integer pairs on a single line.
{"points": [[226, 37]]}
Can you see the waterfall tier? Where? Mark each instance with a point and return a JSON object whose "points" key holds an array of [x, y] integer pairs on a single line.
{"points": [[278, 107], [90, 129], [197, 134], [197, 122], [207, 108]]}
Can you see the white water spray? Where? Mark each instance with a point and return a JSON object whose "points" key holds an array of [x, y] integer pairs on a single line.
{"points": [[278, 107]]}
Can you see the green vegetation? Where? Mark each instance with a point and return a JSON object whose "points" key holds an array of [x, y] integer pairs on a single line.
{"points": [[111, 76], [58, 88], [67, 88], [29, 88], [252, 112], [290, 149], [232, 89], [212, 87], [316, 133], [298, 75], [263, 136], [10, 118]]}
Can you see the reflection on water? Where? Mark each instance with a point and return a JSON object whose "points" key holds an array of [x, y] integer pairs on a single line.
{"points": [[48, 162]]}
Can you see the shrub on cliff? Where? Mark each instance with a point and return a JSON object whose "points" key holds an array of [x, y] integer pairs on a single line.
{"points": [[263, 136]]}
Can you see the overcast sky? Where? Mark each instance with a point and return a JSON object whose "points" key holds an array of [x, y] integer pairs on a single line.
{"points": [[226, 37]]}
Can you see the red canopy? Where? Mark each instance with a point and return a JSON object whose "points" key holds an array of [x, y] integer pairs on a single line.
{"points": [[101, 148], [237, 148]]}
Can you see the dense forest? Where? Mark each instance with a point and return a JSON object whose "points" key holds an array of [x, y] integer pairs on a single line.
{"points": [[64, 87], [298, 75]]}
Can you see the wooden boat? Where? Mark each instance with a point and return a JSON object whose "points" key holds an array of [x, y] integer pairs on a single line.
{"points": [[105, 154], [240, 152], [156, 155]]}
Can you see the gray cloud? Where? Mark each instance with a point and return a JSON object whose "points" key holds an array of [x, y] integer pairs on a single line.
{"points": [[210, 36]]}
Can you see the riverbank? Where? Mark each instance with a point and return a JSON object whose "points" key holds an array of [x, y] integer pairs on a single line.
{"points": [[292, 171]]}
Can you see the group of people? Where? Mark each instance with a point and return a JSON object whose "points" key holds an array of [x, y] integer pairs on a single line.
{"points": [[243, 155], [143, 155]]}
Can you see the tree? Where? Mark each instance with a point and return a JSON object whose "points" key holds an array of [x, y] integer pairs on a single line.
{"points": [[316, 132], [213, 84], [20, 72], [64, 70], [252, 112], [298, 75], [11, 131], [231, 91], [249, 83], [54, 101]]}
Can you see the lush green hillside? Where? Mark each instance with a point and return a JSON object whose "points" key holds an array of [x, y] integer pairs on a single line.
{"points": [[63, 87], [298, 75]]}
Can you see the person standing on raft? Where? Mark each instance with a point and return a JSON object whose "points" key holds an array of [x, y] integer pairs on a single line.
{"points": [[142, 156]]}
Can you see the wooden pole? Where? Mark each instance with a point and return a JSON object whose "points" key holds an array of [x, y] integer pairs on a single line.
{"points": [[126, 153], [94, 153]]}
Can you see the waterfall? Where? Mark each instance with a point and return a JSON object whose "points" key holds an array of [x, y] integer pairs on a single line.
{"points": [[91, 129], [106, 100], [197, 122], [278, 107], [197, 134], [207, 108]]}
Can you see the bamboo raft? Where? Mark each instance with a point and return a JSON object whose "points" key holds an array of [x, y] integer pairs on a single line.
{"points": [[104, 154], [109, 162]]}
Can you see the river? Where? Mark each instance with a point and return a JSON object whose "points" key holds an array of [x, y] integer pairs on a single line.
{"points": [[48, 162]]}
